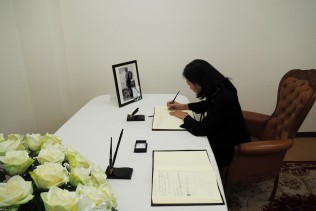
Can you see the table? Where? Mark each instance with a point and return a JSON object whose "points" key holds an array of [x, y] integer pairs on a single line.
{"points": [[91, 128]]}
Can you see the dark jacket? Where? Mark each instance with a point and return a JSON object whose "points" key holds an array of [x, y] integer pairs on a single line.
{"points": [[223, 124]]}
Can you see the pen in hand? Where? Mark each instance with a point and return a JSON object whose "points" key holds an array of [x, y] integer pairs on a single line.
{"points": [[175, 97]]}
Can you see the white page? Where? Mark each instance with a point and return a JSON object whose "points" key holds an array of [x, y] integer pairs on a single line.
{"points": [[184, 177], [164, 121]]}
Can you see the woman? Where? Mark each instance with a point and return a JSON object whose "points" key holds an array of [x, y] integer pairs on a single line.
{"points": [[223, 124]]}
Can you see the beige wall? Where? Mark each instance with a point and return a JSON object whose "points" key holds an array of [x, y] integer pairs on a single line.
{"points": [[59, 54]]}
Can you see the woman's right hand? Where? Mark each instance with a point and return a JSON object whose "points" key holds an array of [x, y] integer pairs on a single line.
{"points": [[174, 106]]}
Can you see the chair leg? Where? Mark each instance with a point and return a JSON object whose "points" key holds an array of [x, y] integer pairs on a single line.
{"points": [[275, 187]]}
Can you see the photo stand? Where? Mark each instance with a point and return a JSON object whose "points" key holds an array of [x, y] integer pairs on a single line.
{"points": [[127, 82], [117, 173]]}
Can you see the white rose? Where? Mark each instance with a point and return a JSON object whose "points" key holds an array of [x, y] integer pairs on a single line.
{"points": [[10, 145], [2, 139], [57, 199], [76, 159], [15, 192], [16, 137], [79, 175], [50, 155], [56, 145], [49, 138], [16, 162], [34, 141], [48, 175], [98, 176], [106, 188], [93, 193]]}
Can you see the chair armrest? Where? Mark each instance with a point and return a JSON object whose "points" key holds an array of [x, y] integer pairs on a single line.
{"points": [[255, 123], [265, 147], [257, 161]]}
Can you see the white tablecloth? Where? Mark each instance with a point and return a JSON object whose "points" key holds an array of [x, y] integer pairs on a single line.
{"points": [[90, 129]]}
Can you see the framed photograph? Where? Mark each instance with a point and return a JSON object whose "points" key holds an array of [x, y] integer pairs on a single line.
{"points": [[127, 82]]}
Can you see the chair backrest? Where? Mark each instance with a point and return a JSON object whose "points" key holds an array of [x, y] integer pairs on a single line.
{"points": [[296, 96]]}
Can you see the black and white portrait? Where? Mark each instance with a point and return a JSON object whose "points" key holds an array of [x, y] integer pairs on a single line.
{"points": [[127, 82]]}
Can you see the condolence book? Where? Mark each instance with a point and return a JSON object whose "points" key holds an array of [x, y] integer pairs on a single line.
{"points": [[164, 121], [184, 178]]}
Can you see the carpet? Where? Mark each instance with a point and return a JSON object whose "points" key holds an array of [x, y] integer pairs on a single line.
{"points": [[296, 190]]}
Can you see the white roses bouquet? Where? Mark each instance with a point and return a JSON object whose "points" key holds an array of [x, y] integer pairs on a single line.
{"points": [[40, 173]]}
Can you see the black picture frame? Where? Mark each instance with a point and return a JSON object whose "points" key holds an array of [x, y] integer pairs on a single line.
{"points": [[127, 82]]}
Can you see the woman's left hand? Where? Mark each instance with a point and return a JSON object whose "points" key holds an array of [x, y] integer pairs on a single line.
{"points": [[179, 114]]}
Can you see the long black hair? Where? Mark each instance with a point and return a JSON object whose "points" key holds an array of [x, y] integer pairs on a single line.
{"points": [[206, 76]]}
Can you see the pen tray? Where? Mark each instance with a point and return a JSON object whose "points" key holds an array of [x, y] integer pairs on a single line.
{"points": [[135, 118]]}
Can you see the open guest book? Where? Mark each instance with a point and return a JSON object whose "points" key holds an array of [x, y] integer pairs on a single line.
{"points": [[184, 177], [164, 121]]}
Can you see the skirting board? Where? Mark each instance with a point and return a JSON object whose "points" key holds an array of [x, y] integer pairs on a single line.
{"points": [[306, 134]]}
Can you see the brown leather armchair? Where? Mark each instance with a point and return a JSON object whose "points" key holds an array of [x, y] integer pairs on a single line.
{"points": [[272, 135]]}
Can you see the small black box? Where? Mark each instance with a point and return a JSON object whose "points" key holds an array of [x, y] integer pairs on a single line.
{"points": [[140, 146]]}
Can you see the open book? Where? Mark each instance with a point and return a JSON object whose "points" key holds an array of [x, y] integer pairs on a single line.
{"points": [[184, 178], [164, 121]]}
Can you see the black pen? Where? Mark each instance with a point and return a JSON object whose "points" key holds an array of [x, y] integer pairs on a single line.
{"points": [[175, 97], [117, 146], [134, 112], [111, 154]]}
